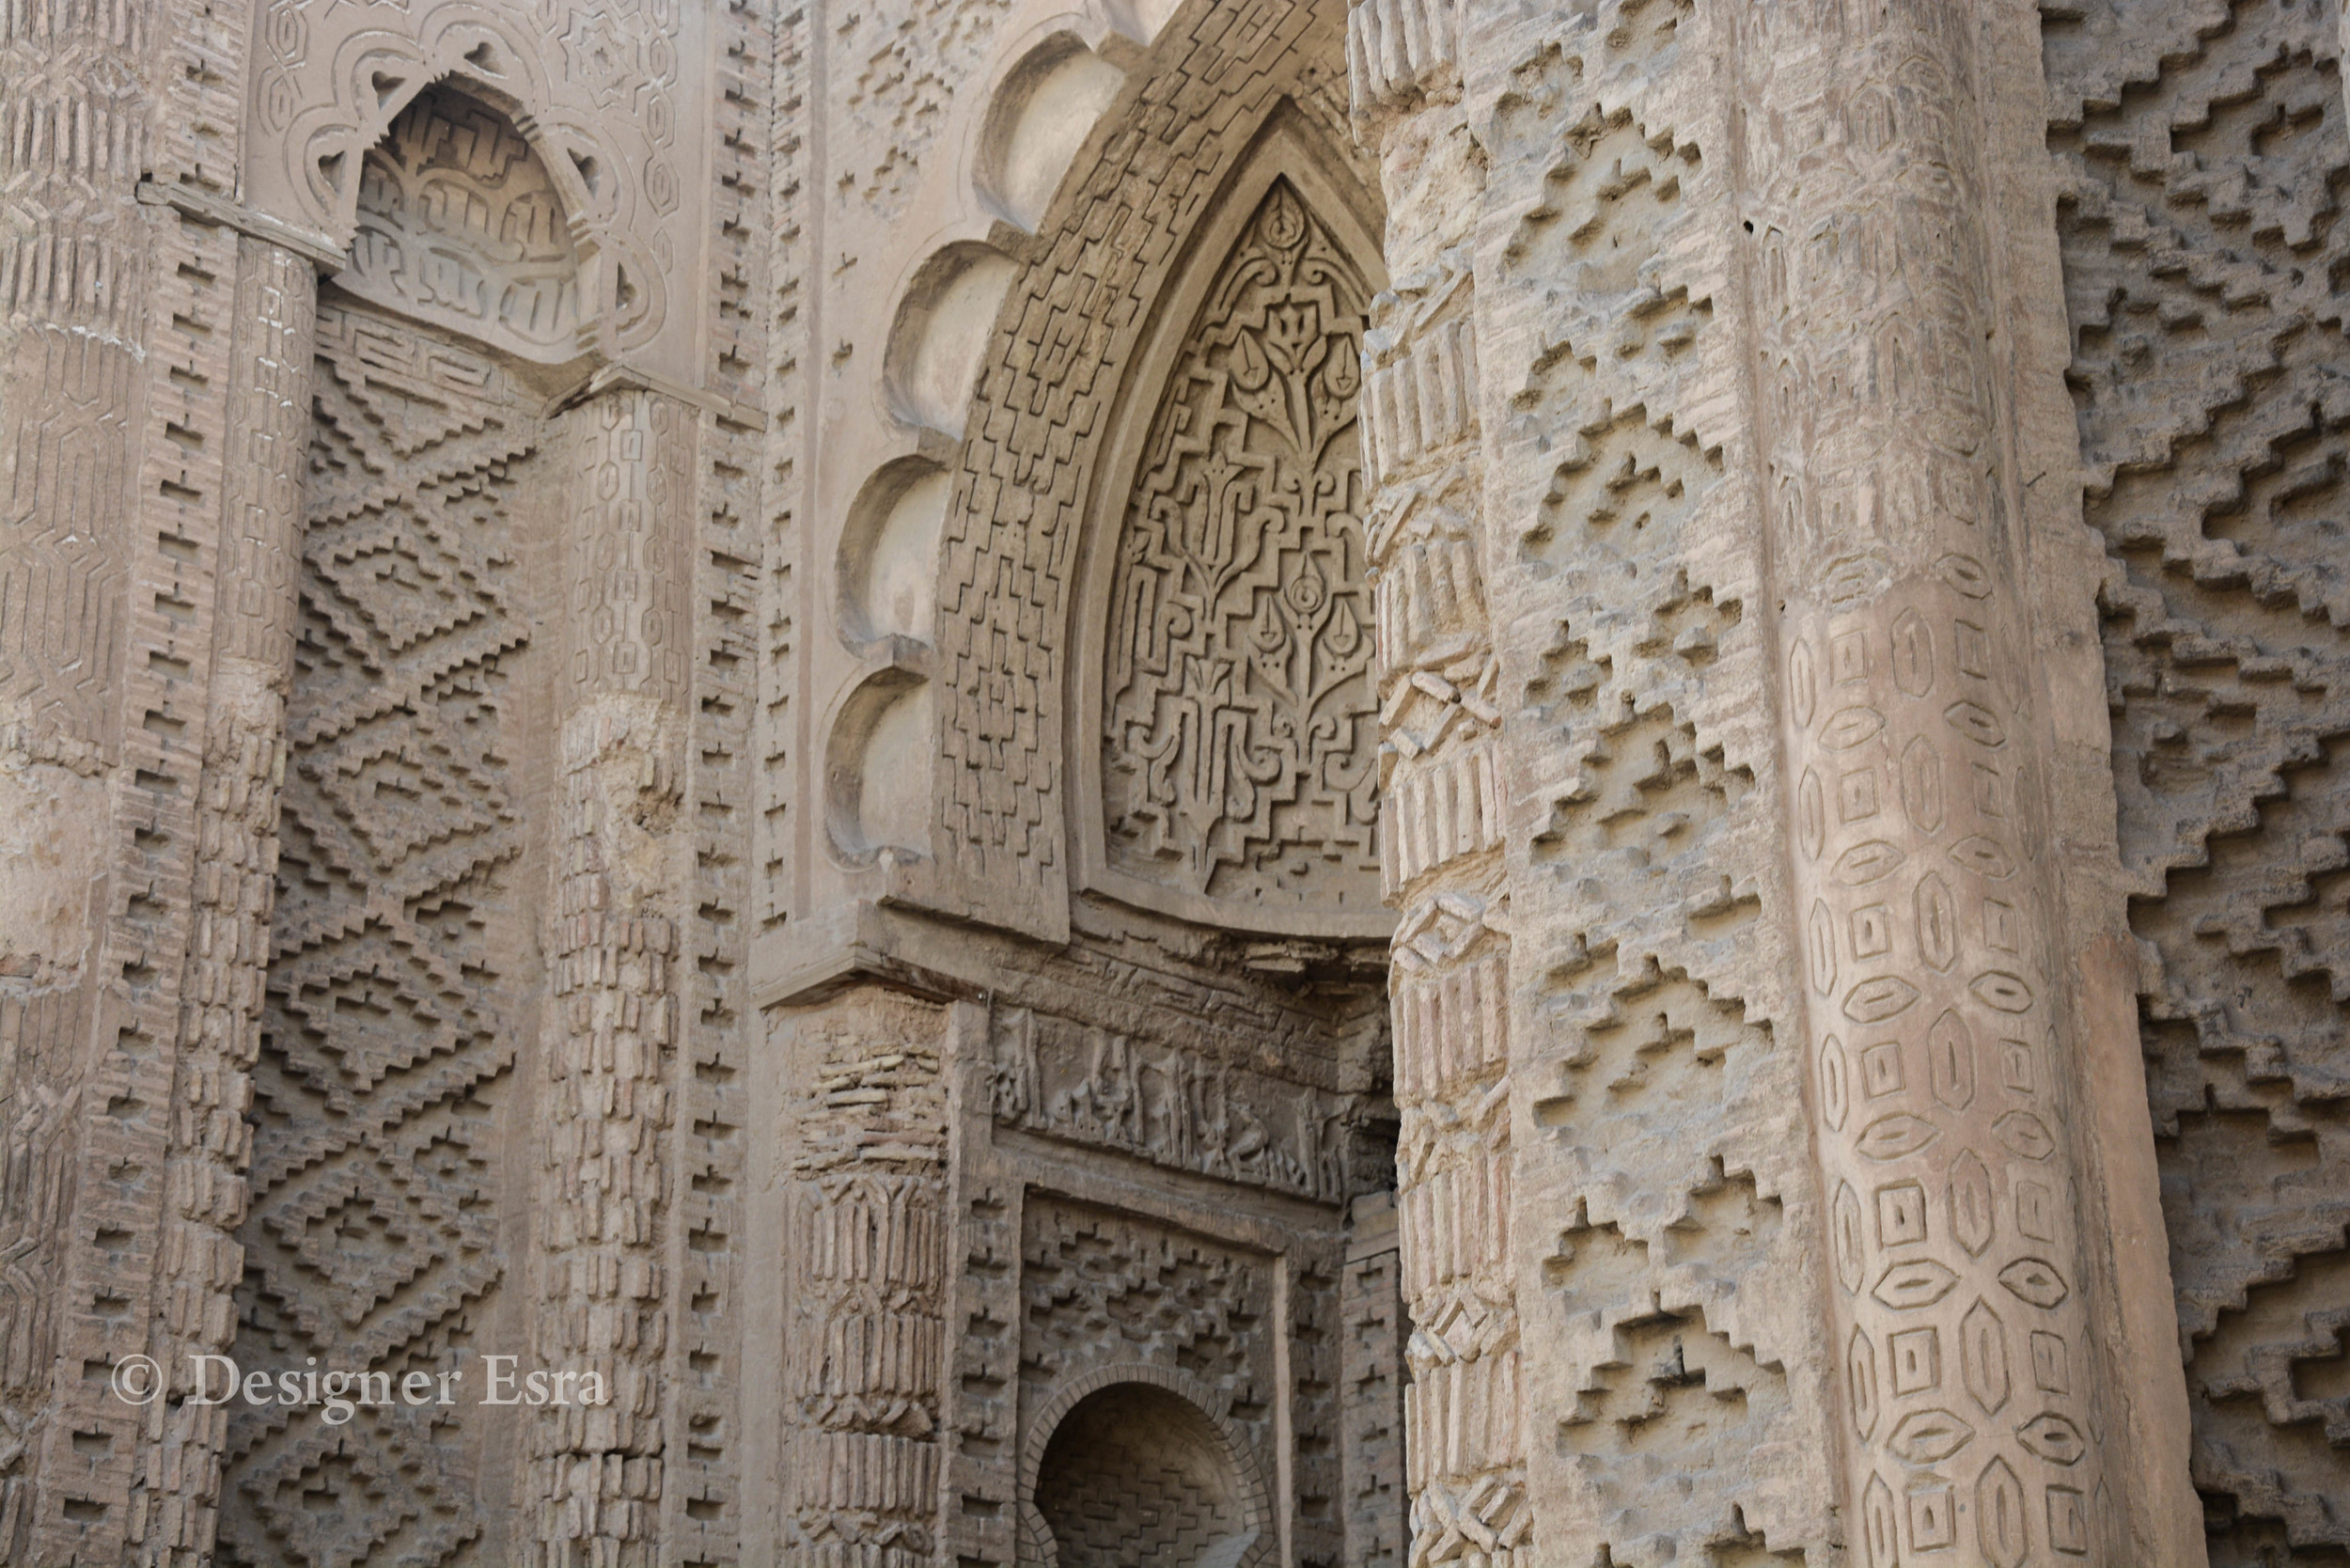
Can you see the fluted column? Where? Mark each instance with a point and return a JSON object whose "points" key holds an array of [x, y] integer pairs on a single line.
{"points": [[1935, 1011], [612, 1047], [1441, 811]]}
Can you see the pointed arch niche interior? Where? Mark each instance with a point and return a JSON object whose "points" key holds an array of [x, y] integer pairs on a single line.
{"points": [[1154, 635], [1223, 716]]}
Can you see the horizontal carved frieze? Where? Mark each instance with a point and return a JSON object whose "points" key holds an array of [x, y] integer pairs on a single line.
{"points": [[1169, 1106]]}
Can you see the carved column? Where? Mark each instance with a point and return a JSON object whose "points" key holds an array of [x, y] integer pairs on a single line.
{"points": [[224, 975], [1441, 807], [863, 1106], [1934, 1011], [612, 1048]]}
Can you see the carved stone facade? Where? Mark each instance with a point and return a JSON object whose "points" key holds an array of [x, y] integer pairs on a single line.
{"points": [[1240, 782]]}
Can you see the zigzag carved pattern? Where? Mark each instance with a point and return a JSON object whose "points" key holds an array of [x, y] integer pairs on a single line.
{"points": [[2203, 241], [375, 1175]]}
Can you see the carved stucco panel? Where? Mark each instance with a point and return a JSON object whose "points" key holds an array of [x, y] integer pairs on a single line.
{"points": [[612, 95], [1237, 748]]}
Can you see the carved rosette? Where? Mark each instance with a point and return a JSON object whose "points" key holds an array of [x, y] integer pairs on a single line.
{"points": [[1937, 1031], [1237, 732]]}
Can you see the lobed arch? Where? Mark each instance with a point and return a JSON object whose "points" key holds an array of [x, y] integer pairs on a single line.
{"points": [[611, 102], [1137, 215]]}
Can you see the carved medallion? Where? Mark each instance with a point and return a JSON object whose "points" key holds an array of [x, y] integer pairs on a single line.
{"points": [[1239, 745]]}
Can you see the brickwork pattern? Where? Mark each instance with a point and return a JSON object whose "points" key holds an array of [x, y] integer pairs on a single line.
{"points": [[2204, 151], [1135, 1474], [396, 988]]}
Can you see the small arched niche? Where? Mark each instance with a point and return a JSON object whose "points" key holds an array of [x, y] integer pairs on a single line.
{"points": [[1137, 1473], [878, 769], [460, 225], [1041, 116], [944, 322], [888, 566]]}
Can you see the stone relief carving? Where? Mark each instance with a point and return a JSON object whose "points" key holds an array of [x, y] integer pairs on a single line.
{"points": [[1238, 757], [2216, 443], [1938, 1019], [1170, 1106], [1032, 465], [1172, 1300], [460, 225], [612, 90], [375, 1167], [870, 1254]]}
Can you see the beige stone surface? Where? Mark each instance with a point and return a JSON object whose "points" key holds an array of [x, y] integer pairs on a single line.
{"points": [[1407, 783]]}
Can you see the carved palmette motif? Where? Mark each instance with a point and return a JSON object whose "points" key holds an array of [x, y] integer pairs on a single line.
{"points": [[1237, 733]]}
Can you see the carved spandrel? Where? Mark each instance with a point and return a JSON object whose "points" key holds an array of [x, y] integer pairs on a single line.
{"points": [[1237, 746]]}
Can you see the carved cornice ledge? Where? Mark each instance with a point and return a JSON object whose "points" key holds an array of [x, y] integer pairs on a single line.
{"points": [[317, 248]]}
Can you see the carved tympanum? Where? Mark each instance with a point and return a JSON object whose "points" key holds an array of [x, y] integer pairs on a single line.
{"points": [[460, 226], [1238, 727]]}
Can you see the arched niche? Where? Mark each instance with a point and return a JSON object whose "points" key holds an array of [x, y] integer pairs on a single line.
{"points": [[877, 775], [611, 103], [461, 224], [887, 567], [1224, 715], [944, 322], [1131, 1464], [1041, 115], [1131, 241]]}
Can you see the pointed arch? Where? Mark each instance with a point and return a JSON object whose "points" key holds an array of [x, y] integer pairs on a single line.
{"points": [[1079, 353], [1222, 720]]}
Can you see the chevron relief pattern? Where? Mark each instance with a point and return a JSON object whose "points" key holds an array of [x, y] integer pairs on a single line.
{"points": [[2205, 154], [393, 992]]}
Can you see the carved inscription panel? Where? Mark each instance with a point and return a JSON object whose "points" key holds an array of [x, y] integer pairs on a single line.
{"points": [[1238, 748], [1170, 1106]]}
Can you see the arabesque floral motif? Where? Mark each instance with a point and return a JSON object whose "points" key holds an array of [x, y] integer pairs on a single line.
{"points": [[1239, 745]]}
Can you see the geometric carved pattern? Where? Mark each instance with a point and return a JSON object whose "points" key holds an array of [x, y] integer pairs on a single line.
{"points": [[1103, 1288], [2203, 149], [459, 225], [1137, 1474], [1238, 755], [374, 1211], [1935, 990]]}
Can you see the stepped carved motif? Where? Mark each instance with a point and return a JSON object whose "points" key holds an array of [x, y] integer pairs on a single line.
{"points": [[396, 989], [2203, 149]]}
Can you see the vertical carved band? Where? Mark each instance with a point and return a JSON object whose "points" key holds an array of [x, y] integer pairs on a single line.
{"points": [[613, 1039], [1441, 831], [1937, 1030], [226, 974], [866, 1346]]}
